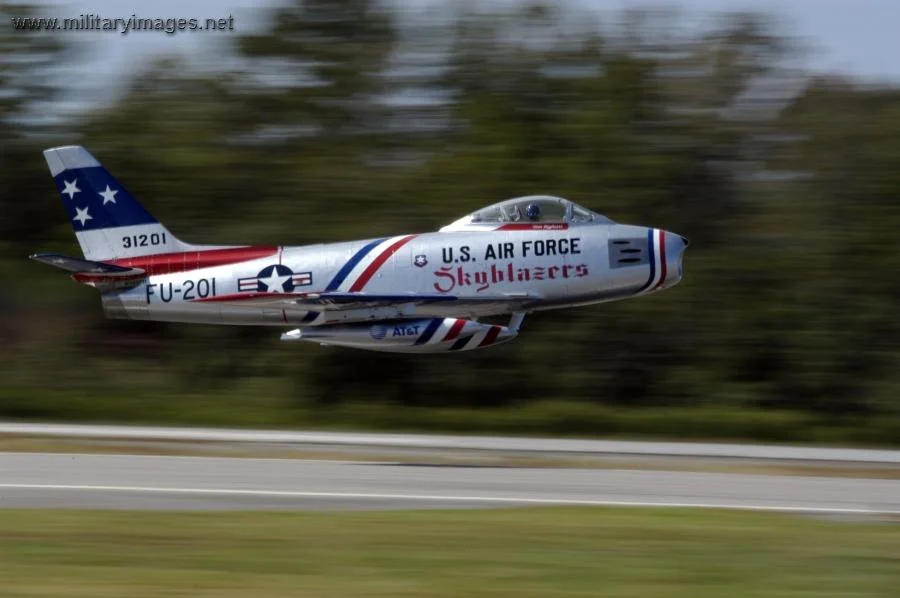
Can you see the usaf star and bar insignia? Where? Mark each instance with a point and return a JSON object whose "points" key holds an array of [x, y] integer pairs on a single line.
{"points": [[276, 278]]}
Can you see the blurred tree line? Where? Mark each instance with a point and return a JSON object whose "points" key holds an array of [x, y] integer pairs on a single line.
{"points": [[344, 119]]}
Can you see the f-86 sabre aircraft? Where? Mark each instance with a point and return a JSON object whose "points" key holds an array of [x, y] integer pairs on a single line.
{"points": [[413, 293]]}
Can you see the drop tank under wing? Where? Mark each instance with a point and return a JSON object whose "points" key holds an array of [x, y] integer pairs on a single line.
{"points": [[429, 335]]}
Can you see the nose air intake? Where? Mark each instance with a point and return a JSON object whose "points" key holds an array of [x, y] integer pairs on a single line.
{"points": [[672, 248]]}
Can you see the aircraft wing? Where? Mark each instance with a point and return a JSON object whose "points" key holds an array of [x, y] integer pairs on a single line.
{"points": [[336, 300]]}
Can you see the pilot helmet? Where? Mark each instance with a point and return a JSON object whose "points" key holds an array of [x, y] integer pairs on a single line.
{"points": [[533, 211]]}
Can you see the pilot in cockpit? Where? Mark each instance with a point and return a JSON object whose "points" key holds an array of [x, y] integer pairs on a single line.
{"points": [[533, 211]]}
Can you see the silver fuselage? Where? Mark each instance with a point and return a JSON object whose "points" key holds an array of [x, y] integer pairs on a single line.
{"points": [[575, 265]]}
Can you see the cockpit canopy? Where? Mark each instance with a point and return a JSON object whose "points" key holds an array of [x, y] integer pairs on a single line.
{"points": [[539, 211]]}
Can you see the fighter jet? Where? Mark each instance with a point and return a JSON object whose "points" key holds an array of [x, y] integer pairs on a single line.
{"points": [[412, 293]]}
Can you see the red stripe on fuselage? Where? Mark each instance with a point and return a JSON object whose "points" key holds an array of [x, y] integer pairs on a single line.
{"points": [[370, 271], [662, 258], [454, 330], [168, 263], [490, 337]]}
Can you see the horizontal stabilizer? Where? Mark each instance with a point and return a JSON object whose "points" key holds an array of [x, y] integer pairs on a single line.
{"points": [[82, 266], [96, 274]]}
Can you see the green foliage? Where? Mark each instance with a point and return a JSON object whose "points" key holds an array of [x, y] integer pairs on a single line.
{"points": [[344, 120]]}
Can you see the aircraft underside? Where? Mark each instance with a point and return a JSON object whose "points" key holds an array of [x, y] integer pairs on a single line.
{"points": [[437, 331]]}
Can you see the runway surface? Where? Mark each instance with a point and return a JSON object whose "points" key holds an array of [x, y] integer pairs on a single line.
{"points": [[440, 443], [36, 480]]}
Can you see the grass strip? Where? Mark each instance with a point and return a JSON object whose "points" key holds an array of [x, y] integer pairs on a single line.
{"points": [[521, 553]]}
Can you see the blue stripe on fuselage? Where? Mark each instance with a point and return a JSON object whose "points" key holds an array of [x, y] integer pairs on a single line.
{"points": [[348, 267]]}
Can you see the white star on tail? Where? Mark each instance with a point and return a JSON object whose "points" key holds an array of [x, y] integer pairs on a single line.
{"points": [[71, 188], [82, 216], [109, 195]]}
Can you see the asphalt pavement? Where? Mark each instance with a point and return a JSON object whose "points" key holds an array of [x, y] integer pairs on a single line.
{"points": [[436, 442], [40, 480]]}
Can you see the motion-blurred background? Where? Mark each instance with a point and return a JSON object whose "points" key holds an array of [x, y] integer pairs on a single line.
{"points": [[331, 120]]}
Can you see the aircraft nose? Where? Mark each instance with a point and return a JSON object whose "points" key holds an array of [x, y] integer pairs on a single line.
{"points": [[651, 252], [674, 257]]}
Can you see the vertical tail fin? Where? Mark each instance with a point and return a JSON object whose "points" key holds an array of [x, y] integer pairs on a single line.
{"points": [[108, 221]]}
